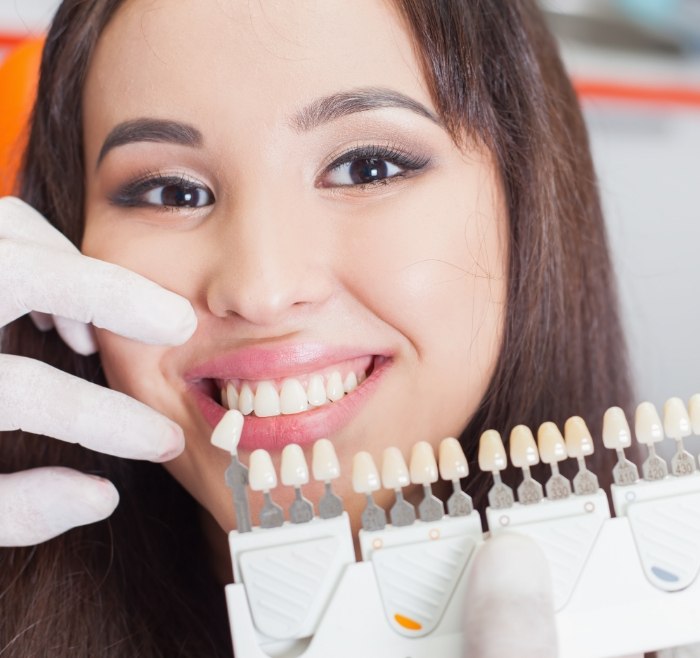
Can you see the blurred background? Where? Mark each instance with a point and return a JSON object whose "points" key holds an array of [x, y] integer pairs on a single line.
{"points": [[636, 66]]}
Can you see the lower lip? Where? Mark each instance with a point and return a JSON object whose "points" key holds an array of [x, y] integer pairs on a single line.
{"points": [[275, 432]]}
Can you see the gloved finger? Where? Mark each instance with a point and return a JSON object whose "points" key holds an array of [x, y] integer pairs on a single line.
{"points": [[509, 611], [19, 221], [42, 321], [37, 278], [38, 398], [41, 503], [78, 336]]}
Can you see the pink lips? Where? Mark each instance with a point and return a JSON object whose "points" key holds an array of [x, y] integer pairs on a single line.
{"points": [[257, 363]]}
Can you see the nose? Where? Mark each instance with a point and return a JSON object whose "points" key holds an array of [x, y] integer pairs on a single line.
{"points": [[269, 266]]}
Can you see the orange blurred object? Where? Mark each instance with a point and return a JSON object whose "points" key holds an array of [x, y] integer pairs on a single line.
{"points": [[19, 75]]}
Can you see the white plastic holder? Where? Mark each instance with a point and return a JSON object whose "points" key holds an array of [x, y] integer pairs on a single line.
{"points": [[607, 605]]}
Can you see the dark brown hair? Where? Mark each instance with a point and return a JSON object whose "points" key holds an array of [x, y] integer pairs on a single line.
{"points": [[137, 584]]}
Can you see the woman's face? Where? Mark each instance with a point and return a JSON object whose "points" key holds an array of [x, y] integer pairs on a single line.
{"points": [[281, 165]]}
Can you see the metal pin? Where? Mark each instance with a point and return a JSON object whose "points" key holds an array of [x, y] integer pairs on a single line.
{"points": [[294, 473], [263, 478], [677, 427], [453, 467], [617, 437], [325, 468], [492, 458], [579, 444], [226, 436], [395, 476], [365, 480], [424, 471]]}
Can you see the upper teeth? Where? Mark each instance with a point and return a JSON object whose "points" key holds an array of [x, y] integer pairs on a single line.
{"points": [[292, 397]]}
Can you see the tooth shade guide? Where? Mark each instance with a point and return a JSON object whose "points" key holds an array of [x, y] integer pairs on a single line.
{"points": [[424, 471], [326, 468], [395, 475], [365, 480], [649, 430], [677, 427], [294, 473], [492, 458], [227, 433], [523, 454], [552, 448], [579, 444], [617, 436], [676, 419]]}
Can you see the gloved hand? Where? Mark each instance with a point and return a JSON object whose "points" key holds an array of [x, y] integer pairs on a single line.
{"points": [[40, 270], [509, 611]]}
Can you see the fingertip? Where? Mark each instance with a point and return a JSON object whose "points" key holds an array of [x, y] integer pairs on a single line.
{"points": [[78, 336], [103, 498], [184, 328], [173, 444]]}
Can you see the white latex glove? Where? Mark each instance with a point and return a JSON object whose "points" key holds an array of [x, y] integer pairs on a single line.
{"points": [[509, 611], [41, 270]]}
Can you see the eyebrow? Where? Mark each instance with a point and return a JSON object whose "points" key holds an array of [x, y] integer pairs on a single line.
{"points": [[323, 110], [150, 130], [335, 106]]}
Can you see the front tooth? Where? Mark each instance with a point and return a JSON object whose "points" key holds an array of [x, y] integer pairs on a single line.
{"points": [[647, 424], [394, 469], [246, 400], [453, 462], [550, 443], [334, 388], [676, 421], [267, 400], [231, 396], [316, 393], [523, 450], [694, 410], [424, 469], [492, 454], [350, 383], [224, 398], [293, 397], [579, 442], [616, 431]]}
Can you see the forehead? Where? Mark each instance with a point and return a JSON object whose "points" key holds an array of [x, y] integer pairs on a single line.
{"points": [[261, 59]]}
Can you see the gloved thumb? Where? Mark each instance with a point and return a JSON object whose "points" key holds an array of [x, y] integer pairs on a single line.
{"points": [[509, 610]]}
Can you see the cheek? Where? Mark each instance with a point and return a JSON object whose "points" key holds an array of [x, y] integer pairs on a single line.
{"points": [[436, 271], [136, 370], [158, 255]]}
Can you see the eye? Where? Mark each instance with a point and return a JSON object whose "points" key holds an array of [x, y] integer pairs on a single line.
{"points": [[363, 171], [366, 166], [163, 192], [179, 195]]}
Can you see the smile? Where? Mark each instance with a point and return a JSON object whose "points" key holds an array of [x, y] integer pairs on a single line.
{"points": [[299, 393], [293, 395]]}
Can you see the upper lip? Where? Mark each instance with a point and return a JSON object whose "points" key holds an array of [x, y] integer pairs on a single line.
{"points": [[259, 363]]}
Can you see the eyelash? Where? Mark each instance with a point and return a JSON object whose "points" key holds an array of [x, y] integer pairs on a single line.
{"points": [[132, 194]]}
